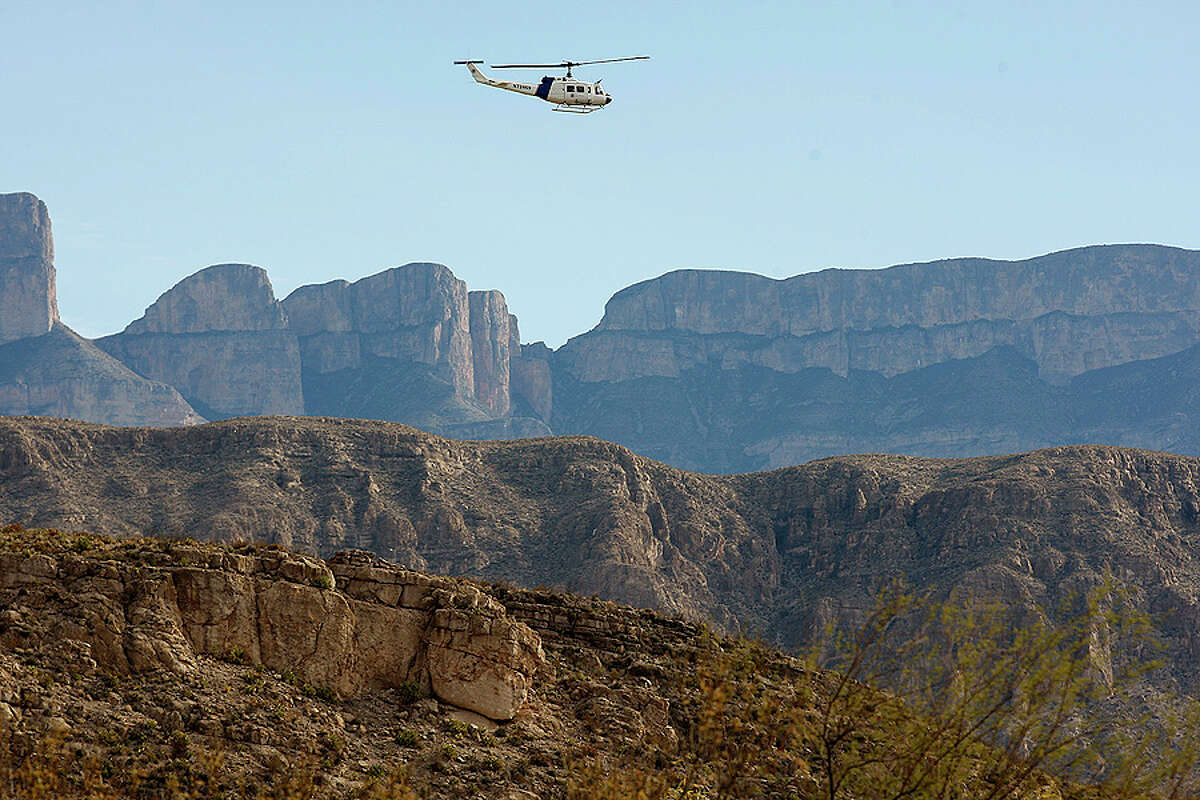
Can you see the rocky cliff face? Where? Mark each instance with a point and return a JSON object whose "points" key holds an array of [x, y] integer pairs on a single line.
{"points": [[714, 371], [410, 344], [181, 664], [221, 338], [781, 552], [1070, 312], [382, 628], [726, 372], [27, 291]]}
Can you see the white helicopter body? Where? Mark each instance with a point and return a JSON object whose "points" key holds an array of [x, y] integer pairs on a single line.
{"points": [[567, 93]]}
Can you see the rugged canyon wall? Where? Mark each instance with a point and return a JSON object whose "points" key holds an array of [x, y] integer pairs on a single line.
{"points": [[726, 372], [1069, 312], [710, 370], [220, 337], [409, 344]]}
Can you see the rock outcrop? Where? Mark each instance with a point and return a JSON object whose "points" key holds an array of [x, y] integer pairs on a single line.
{"points": [[45, 368], [27, 290], [134, 653], [220, 337], [386, 628]]}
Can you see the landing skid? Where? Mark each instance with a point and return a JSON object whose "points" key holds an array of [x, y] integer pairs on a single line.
{"points": [[566, 109]]}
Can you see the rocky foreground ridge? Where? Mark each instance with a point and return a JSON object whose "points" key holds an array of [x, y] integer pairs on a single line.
{"points": [[781, 553], [711, 370], [184, 667]]}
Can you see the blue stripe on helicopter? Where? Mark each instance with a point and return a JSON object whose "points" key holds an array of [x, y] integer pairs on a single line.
{"points": [[543, 90]]}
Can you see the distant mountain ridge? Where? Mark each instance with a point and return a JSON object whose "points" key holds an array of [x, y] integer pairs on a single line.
{"points": [[709, 370]]}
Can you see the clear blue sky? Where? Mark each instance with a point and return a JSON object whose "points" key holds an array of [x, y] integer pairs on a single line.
{"points": [[778, 138]]}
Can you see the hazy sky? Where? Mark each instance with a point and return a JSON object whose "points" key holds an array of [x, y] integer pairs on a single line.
{"points": [[779, 138]]}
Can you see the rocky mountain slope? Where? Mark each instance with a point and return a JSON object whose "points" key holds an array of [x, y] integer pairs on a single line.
{"points": [[204, 670], [178, 669], [782, 553]]}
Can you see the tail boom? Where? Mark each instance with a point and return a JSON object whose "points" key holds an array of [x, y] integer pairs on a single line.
{"points": [[511, 86]]}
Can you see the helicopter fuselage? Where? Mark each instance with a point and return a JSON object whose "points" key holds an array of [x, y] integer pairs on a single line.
{"points": [[572, 92], [566, 93]]}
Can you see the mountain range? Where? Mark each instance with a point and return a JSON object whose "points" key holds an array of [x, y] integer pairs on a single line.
{"points": [[708, 370]]}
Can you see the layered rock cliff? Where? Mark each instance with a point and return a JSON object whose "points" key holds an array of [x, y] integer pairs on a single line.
{"points": [[220, 337], [1069, 312], [727, 372], [710, 370], [353, 626], [411, 344], [135, 655]]}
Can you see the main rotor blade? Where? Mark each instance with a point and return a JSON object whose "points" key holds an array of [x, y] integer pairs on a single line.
{"points": [[569, 63], [610, 60], [529, 66]]}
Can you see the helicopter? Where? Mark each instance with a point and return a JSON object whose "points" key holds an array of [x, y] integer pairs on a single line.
{"points": [[567, 92]]}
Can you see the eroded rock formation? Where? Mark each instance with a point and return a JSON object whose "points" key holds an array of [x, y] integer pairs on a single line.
{"points": [[220, 337], [1070, 312], [728, 372], [359, 626], [410, 344]]}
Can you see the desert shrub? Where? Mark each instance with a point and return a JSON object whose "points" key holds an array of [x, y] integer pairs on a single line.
{"points": [[407, 737], [409, 692], [456, 727], [924, 700]]}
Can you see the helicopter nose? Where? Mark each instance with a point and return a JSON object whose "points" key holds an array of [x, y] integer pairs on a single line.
{"points": [[607, 99]]}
